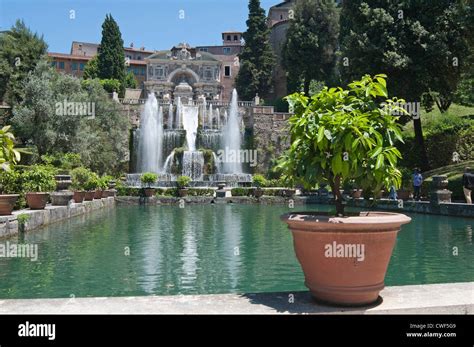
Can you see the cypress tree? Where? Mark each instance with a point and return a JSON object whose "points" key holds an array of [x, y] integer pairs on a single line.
{"points": [[111, 57], [257, 58]]}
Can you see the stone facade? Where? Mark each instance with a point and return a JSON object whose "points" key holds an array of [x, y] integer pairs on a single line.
{"points": [[270, 135], [185, 72]]}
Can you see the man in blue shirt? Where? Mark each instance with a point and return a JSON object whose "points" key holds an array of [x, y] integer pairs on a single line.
{"points": [[417, 181]]}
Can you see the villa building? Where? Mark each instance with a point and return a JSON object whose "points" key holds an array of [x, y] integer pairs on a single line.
{"points": [[207, 71]]}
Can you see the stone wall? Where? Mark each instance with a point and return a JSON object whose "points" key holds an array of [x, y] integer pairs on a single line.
{"points": [[9, 225], [270, 135]]}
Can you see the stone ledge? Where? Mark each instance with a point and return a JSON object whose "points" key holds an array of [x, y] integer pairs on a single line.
{"points": [[265, 200], [51, 214], [449, 298]]}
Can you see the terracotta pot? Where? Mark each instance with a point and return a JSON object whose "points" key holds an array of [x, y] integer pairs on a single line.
{"points": [[79, 196], [355, 275], [183, 192], [7, 202], [258, 193], [89, 196], [356, 193], [149, 192], [98, 194], [37, 201], [403, 194]]}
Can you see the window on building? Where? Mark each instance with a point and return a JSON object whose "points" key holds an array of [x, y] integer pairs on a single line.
{"points": [[61, 65], [236, 38], [53, 64], [143, 71], [204, 49], [229, 38], [159, 72], [281, 17], [81, 66], [208, 74], [226, 50], [150, 71], [227, 71], [74, 66]]}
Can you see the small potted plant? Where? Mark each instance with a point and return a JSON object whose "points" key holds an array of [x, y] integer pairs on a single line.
{"points": [[38, 182], [183, 184], [101, 187], [259, 181], [147, 179], [79, 176], [111, 183], [91, 186], [339, 136], [9, 156]]}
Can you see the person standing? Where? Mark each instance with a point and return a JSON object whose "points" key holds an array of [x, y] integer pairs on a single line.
{"points": [[417, 181], [468, 184]]}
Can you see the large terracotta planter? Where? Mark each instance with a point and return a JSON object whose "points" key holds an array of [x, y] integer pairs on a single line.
{"points": [[89, 195], [79, 196], [37, 201], [345, 259], [7, 202], [149, 192], [183, 192], [98, 194]]}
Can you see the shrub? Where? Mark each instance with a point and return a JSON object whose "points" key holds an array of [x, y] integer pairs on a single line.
{"points": [[80, 176], [93, 182], [183, 181], [241, 191], [148, 178], [200, 192], [39, 178], [259, 180], [111, 85]]}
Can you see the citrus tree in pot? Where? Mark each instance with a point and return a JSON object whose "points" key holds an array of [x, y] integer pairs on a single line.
{"points": [[183, 184], [80, 176], [341, 135], [91, 186], [149, 178], [38, 182], [9, 156]]}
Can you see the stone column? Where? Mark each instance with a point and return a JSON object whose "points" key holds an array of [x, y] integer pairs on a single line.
{"points": [[438, 191]]}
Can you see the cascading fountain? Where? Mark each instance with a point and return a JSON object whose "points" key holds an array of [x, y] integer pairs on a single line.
{"points": [[194, 135]]}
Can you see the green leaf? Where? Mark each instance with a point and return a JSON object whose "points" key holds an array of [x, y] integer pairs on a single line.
{"points": [[380, 160]]}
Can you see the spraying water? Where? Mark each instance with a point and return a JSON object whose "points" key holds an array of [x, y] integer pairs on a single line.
{"points": [[150, 138], [232, 138]]}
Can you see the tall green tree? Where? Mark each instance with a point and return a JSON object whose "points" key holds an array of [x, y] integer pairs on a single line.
{"points": [[309, 52], [111, 57], [412, 41], [91, 69], [257, 58], [20, 50]]}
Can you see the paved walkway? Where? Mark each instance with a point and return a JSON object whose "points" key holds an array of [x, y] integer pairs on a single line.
{"points": [[450, 298]]}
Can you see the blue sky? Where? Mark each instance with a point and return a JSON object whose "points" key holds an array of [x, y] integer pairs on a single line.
{"points": [[155, 24]]}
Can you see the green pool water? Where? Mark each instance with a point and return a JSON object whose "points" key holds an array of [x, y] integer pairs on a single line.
{"points": [[166, 250]]}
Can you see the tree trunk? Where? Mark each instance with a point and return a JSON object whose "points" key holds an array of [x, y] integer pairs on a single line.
{"points": [[338, 196], [307, 82], [420, 143]]}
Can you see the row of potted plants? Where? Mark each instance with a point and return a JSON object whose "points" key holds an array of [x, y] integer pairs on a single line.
{"points": [[87, 185]]}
